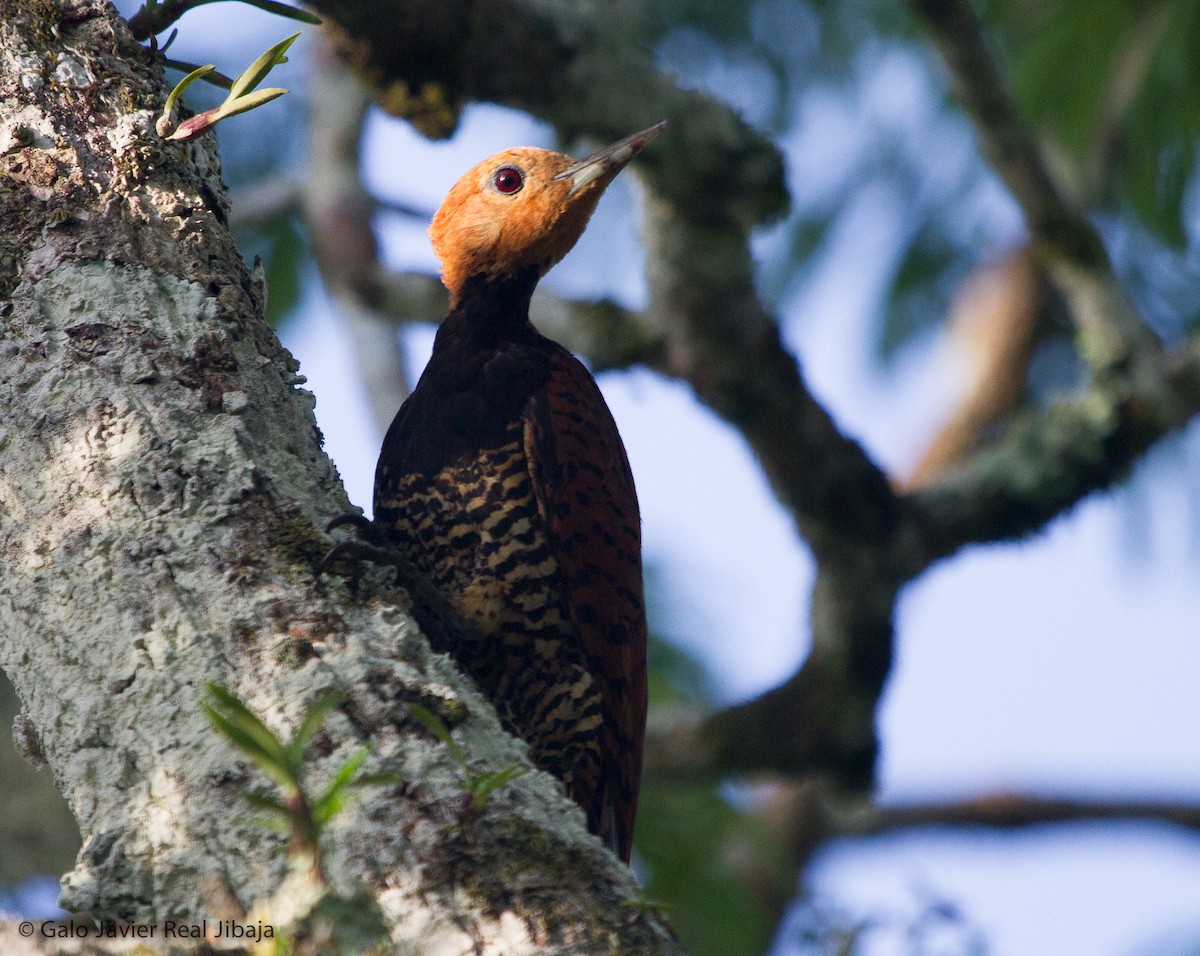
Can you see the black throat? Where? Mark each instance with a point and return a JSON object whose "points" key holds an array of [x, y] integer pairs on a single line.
{"points": [[492, 309], [487, 361]]}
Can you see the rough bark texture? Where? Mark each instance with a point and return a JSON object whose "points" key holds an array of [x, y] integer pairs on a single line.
{"points": [[162, 487]]}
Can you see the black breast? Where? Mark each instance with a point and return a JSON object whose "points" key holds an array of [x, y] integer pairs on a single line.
{"points": [[487, 360]]}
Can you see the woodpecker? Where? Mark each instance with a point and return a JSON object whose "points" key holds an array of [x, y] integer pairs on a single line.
{"points": [[504, 482]]}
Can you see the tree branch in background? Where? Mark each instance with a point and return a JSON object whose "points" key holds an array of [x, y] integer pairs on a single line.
{"points": [[992, 325], [1008, 811], [710, 180], [1053, 458], [264, 202], [806, 814], [1066, 244], [609, 336], [338, 211], [260, 204]]}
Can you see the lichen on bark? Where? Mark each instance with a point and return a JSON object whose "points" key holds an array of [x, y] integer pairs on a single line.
{"points": [[162, 497]]}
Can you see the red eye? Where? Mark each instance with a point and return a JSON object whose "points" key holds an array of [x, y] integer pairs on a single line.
{"points": [[508, 179]]}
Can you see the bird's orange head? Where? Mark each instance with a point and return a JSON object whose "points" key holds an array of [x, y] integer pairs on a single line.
{"points": [[523, 208]]}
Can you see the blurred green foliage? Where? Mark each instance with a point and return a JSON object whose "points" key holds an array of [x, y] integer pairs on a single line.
{"points": [[281, 245], [1113, 87], [1110, 86], [715, 870], [285, 258], [686, 835]]}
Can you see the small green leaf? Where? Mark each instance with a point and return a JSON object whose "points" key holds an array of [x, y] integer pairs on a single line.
{"points": [[250, 735], [270, 762], [385, 778], [312, 722], [275, 824], [328, 807], [257, 71], [248, 102], [269, 804], [485, 784], [343, 777], [434, 725], [334, 797], [173, 96]]}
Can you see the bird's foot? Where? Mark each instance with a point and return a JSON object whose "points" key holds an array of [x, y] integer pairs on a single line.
{"points": [[364, 528], [367, 545], [356, 549], [438, 618]]}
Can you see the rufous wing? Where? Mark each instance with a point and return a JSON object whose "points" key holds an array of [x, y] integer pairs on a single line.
{"points": [[584, 487]]}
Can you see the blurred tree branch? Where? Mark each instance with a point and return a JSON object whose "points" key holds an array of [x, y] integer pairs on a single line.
{"points": [[709, 180], [1110, 331], [1008, 811], [338, 212], [805, 815], [1051, 459], [993, 323]]}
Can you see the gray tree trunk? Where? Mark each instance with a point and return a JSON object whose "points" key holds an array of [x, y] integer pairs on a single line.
{"points": [[162, 495]]}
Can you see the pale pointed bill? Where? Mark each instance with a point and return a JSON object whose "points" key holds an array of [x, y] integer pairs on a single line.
{"points": [[609, 160]]}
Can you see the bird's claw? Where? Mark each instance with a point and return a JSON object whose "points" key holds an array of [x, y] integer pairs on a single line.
{"points": [[367, 545], [355, 549], [439, 620], [357, 520]]}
